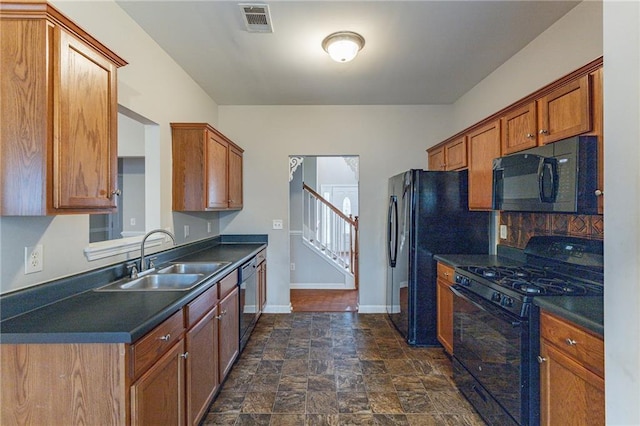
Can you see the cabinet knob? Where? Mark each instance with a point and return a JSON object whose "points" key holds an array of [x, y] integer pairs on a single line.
{"points": [[541, 359], [530, 135], [543, 131], [165, 338], [569, 341], [599, 193], [115, 193], [185, 355]]}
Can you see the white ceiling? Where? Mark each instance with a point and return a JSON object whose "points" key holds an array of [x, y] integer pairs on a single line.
{"points": [[416, 52]]}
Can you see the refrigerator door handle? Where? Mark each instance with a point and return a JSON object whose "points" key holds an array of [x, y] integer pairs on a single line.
{"points": [[392, 243]]}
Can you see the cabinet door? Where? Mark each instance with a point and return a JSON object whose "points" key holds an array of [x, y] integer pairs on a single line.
{"points": [[436, 159], [157, 398], [201, 366], [519, 129], [569, 393], [484, 146], [85, 105], [228, 332], [235, 178], [445, 314], [455, 154], [217, 164], [597, 129], [565, 112]]}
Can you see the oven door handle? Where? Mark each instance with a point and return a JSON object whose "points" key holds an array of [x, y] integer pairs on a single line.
{"points": [[485, 306]]}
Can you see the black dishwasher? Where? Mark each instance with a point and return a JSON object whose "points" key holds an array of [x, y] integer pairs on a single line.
{"points": [[249, 311]]}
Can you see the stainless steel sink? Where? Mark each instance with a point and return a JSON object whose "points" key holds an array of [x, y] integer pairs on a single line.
{"points": [[205, 268], [155, 282]]}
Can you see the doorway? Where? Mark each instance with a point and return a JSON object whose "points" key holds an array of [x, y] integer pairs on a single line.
{"points": [[323, 203]]}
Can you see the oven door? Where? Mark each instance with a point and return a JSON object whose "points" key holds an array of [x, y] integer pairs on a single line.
{"points": [[488, 348]]}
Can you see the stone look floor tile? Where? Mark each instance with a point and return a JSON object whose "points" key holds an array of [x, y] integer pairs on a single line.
{"points": [[338, 369]]}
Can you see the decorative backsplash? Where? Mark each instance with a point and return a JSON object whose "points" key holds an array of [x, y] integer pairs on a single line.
{"points": [[522, 226]]}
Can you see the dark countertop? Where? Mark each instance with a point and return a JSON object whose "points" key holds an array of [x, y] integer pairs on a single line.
{"points": [[586, 311], [117, 317]]}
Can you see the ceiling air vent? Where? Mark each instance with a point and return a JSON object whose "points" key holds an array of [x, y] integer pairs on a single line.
{"points": [[256, 18]]}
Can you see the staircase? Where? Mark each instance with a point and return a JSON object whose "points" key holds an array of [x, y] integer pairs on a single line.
{"points": [[330, 233]]}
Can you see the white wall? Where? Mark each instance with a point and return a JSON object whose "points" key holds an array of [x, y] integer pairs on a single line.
{"points": [[622, 211], [573, 41], [153, 86], [388, 139]]}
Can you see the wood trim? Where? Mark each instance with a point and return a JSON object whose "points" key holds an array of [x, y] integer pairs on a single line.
{"points": [[201, 126], [43, 10], [584, 70]]}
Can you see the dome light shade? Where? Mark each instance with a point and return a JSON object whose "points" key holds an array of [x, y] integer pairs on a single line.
{"points": [[343, 46]]}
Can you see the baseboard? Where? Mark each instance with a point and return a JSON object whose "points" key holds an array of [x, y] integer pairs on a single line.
{"points": [[320, 286], [277, 309], [372, 309]]}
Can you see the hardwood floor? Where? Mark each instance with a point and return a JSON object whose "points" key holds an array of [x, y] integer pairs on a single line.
{"points": [[324, 300]]}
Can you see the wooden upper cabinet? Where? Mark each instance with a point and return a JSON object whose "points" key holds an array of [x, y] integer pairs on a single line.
{"points": [[519, 129], [484, 146], [597, 129], [58, 108], [436, 159], [207, 169], [565, 112], [449, 156], [235, 178]]}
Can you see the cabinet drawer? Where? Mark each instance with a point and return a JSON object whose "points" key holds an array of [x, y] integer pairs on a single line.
{"points": [[154, 344], [577, 343], [261, 257], [202, 304], [228, 283], [445, 272]]}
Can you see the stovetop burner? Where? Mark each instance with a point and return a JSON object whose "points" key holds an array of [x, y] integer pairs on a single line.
{"points": [[532, 281]]}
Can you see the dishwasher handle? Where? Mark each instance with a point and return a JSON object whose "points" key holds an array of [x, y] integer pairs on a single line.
{"points": [[248, 270]]}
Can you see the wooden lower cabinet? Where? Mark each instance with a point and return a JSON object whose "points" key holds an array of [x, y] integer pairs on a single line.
{"points": [[445, 307], [571, 374], [201, 366], [229, 331], [157, 397]]}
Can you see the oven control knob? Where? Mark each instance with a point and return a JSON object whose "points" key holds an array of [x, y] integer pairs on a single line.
{"points": [[496, 297], [507, 301], [462, 280]]}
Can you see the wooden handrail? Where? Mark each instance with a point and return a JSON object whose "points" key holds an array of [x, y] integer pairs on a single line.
{"points": [[349, 219]]}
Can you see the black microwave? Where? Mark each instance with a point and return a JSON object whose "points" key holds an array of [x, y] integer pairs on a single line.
{"points": [[559, 177]]}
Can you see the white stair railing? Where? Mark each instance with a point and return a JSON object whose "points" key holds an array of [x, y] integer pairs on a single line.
{"points": [[330, 231]]}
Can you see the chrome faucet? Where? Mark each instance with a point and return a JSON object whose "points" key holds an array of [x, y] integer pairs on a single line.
{"points": [[143, 266]]}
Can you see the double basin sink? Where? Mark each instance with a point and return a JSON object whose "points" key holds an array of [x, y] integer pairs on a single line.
{"points": [[172, 277]]}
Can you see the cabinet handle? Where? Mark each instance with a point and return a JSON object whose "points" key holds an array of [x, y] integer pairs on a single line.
{"points": [[543, 131], [184, 355], [165, 338], [599, 193], [541, 359], [530, 135], [223, 313], [115, 193], [569, 341]]}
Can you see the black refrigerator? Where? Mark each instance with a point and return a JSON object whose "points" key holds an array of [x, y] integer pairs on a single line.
{"points": [[428, 214]]}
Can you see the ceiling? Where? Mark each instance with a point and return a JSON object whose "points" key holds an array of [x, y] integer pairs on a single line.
{"points": [[416, 52]]}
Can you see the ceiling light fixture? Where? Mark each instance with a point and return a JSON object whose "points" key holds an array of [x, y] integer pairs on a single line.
{"points": [[343, 46]]}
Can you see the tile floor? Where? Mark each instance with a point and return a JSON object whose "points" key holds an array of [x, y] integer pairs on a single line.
{"points": [[308, 300], [337, 369]]}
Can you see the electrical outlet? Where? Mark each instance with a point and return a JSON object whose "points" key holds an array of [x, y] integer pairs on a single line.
{"points": [[208, 227], [503, 232], [186, 231], [293, 266], [277, 223], [132, 221], [33, 260]]}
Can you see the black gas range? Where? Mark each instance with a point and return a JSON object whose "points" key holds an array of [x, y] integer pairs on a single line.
{"points": [[496, 325]]}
